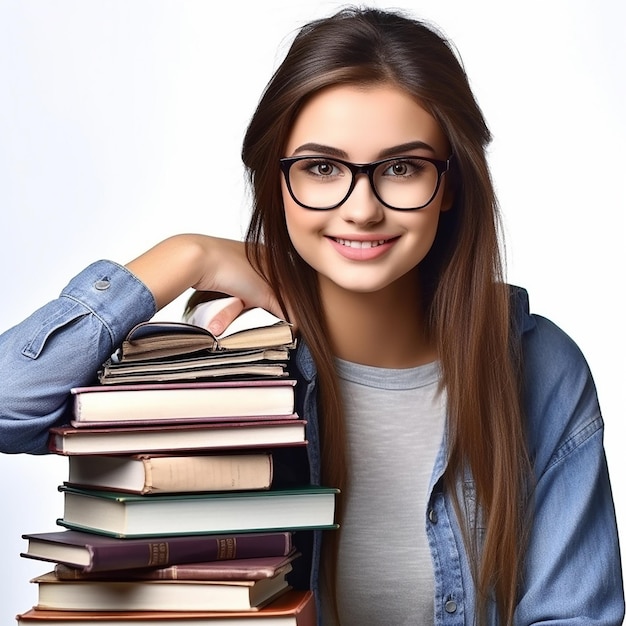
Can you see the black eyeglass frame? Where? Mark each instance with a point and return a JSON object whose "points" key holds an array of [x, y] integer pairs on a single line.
{"points": [[363, 168]]}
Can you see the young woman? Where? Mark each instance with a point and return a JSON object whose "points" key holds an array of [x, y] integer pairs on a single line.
{"points": [[464, 432]]}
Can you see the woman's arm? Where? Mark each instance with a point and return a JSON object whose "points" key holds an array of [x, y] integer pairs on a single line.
{"points": [[63, 344], [206, 264], [573, 571]]}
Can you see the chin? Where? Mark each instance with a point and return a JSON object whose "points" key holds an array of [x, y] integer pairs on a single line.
{"points": [[362, 287]]}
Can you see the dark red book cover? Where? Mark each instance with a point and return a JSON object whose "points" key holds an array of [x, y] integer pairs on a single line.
{"points": [[168, 438], [228, 569], [97, 553]]}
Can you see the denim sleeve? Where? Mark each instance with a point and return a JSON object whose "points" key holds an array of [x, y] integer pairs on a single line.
{"points": [[573, 567], [62, 345]]}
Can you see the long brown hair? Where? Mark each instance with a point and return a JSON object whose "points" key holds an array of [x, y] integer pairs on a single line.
{"points": [[467, 302]]}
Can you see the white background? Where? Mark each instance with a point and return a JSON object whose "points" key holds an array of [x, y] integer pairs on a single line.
{"points": [[121, 123]]}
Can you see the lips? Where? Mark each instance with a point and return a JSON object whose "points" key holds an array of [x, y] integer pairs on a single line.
{"points": [[362, 250]]}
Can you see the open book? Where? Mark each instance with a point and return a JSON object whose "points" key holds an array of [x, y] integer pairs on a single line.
{"points": [[255, 345], [254, 329]]}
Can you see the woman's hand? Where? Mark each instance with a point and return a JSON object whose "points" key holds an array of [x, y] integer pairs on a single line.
{"points": [[207, 264]]}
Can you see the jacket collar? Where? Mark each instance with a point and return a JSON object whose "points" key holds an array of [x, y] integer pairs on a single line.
{"points": [[520, 310]]}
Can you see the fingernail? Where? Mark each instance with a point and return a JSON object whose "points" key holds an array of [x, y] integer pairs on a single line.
{"points": [[216, 328]]}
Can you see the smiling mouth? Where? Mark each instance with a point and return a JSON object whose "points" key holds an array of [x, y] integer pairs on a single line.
{"points": [[350, 243]]}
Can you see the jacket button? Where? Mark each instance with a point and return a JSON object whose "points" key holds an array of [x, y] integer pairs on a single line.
{"points": [[101, 285], [450, 606], [432, 516]]}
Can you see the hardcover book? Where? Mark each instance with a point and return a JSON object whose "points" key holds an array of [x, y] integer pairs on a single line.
{"points": [[152, 474], [170, 438], [230, 569], [293, 608], [158, 595], [92, 553], [128, 515], [182, 402]]}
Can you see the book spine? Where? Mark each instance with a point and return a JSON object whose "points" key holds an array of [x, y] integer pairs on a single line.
{"points": [[165, 552], [210, 473], [173, 474]]}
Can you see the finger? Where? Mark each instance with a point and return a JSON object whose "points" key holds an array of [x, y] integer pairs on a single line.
{"points": [[225, 315]]}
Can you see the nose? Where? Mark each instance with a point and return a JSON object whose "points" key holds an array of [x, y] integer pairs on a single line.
{"points": [[362, 206]]}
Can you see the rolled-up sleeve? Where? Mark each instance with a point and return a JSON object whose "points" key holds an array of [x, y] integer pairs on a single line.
{"points": [[62, 345]]}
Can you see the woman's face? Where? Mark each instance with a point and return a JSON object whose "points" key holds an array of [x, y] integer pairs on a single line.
{"points": [[362, 245]]}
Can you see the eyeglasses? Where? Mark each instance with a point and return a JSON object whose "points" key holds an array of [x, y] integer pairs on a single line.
{"points": [[404, 183]]}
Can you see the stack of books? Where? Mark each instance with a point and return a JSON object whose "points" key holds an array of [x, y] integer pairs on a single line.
{"points": [[173, 510]]}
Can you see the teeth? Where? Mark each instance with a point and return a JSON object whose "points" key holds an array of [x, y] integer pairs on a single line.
{"points": [[360, 244]]}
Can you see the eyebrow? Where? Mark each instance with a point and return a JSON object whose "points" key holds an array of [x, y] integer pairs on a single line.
{"points": [[342, 154]]}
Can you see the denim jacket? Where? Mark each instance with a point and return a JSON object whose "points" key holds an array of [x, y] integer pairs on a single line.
{"points": [[572, 565]]}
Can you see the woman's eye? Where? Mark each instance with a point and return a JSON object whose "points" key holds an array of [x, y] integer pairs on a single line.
{"points": [[400, 169], [322, 169], [404, 168]]}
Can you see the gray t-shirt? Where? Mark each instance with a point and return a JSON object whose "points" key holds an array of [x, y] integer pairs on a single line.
{"points": [[394, 423]]}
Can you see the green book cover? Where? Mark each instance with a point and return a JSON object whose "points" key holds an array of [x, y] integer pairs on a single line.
{"points": [[212, 495], [131, 515]]}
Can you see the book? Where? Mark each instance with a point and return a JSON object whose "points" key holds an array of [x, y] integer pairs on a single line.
{"points": [[128, 515], [67, 440], [91, 553], [293, 608], [157, 595], [250, 363], [159, 403], [252, 329], [154, 474], [231, 569], [243, 371]]}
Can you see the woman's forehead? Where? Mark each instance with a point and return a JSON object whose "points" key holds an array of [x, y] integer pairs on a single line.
{"points": [[363, 121]]}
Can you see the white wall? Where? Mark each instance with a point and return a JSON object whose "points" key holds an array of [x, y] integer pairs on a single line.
{"points": [[121, 123]]}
